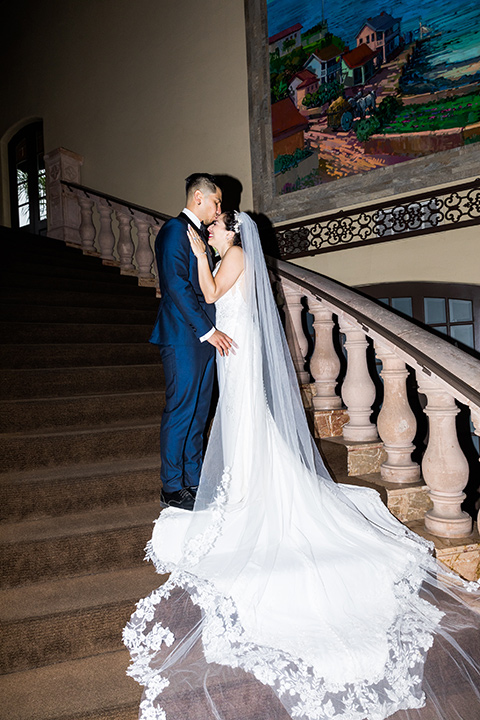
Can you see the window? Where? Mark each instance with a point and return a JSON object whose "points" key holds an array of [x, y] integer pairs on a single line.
{"points": [[450, 308], [402, 304], [452, 317], [28, 197]]}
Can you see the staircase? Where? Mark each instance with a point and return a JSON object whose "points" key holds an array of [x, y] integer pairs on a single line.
{"points": [[81, 400]]}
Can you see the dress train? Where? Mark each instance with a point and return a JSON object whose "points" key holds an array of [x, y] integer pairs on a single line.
{"points": [[290, 596]]}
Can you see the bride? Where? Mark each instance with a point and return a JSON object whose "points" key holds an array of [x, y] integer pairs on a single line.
{"points": [[290, 596]]}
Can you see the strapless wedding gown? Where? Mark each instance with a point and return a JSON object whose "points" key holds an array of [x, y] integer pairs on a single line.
{"points": [[289, 596]]}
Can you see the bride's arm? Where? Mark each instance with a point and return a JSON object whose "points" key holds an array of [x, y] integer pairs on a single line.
{"points": [[213, 287]]}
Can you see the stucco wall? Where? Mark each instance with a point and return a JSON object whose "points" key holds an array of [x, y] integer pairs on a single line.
{"points": [[147, 91], [450, 257]]}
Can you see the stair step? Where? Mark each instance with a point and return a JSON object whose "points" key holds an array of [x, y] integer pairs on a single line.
{"points": [[79, 299], [64, 314], [56, 382], [95, 688], [13, 241], [33, 494], [61, 284], [12, 332], [359, 458], [75, 445], [70, 618], [66, 355], [70, 545], [69, 257], [47, 269], [46, 413]]}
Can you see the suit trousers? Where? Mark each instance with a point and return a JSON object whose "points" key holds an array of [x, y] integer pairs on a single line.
{"points": [[189, 375]]}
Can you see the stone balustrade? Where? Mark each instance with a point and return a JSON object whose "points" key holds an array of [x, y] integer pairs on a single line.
{"points": [[119, 232], [122, 234], [445, 376]]}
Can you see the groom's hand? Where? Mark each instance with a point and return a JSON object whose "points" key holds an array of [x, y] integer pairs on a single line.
{"points": [[222, 342]]}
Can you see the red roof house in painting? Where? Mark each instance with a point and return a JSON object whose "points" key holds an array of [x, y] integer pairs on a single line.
{"points": [[288, 128], [358, 65], [301, 84]]}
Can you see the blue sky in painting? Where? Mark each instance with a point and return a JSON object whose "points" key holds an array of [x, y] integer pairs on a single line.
{"points": [[457, 20]]}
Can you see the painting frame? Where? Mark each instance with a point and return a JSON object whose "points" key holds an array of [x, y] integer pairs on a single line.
{"points": [[431, 171]]}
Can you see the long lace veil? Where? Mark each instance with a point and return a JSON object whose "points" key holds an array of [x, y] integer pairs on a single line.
{"points": [[188, 639], [277, 381]]}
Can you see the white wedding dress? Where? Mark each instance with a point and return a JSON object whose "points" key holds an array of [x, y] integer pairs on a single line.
{"points": [[290, 596]]}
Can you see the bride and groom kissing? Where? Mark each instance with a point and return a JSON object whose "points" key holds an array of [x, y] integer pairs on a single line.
{"points": [[187, 337], [289, 595]]}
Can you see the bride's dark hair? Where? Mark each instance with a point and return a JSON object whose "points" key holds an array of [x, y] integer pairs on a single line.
{"points": [[231, 224]]}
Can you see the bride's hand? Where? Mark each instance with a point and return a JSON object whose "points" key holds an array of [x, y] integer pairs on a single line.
{"points": [[196, 242]]}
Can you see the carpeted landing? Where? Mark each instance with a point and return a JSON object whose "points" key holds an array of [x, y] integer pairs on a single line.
{"points": [[81, 400]]}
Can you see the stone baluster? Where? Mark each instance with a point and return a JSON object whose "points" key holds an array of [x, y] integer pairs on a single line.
{"points": [[444, 466], [87, 228], [144, 254], [475, 415], [396, 422], [358, 389], [324, 363], [106, 238], [125, 245], [297, 340], [154, 230]]}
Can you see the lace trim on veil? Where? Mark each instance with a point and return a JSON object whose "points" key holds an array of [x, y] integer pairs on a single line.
{"points": [[225, 642]]}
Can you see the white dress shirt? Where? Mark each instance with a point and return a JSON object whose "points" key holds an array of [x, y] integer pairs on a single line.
{"points": [[195, 221]]}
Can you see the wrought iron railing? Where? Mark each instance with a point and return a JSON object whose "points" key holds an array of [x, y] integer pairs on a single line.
{"points": [[455, 206]]}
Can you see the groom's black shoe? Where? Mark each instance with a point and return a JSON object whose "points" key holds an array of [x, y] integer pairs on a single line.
{"points": [[179, 498]]}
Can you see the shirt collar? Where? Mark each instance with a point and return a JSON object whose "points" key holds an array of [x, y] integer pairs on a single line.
{"points": [[191, 216]]}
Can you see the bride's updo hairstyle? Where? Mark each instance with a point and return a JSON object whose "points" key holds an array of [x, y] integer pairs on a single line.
{"points": [[232, 224]]}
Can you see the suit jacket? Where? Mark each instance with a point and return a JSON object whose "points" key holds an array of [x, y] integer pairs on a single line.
{"points": [[183, 315]]}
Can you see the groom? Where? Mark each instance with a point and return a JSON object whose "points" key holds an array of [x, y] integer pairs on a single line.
{"points": [[185, 332]]}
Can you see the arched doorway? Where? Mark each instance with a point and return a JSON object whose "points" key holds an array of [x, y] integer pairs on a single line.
{"points": [[27, 179]]}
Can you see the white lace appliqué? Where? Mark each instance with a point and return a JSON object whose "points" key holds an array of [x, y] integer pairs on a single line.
{"points": [[225, 642], [198, 546], [313, 698]]}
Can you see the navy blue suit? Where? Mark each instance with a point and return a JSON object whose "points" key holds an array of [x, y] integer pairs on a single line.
{"points": [[189, 365]]}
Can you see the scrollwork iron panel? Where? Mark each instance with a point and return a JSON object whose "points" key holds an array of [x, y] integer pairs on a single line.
{"points": [[448, 208]]}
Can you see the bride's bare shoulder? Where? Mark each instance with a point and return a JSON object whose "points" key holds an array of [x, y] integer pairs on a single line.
{"points": [[235, 254]]}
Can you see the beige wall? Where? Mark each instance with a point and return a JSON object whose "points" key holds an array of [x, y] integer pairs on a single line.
{"points": [[451, 257], [147, 91]]}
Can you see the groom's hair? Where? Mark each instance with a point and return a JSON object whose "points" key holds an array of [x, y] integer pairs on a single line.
{"points": [[200, 181]]}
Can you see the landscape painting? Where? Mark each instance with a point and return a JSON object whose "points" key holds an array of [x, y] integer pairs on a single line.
{"points": [[357, 85]]}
